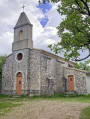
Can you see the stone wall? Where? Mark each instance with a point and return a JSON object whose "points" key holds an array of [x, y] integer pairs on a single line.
{"points": [[41, 74], [60, 85], [51, 75], [88, 82], [34, 86], [79, 79], [62, 60], [7, 71], [47, 78], [29, 66], [21, 66], [10, 70]]}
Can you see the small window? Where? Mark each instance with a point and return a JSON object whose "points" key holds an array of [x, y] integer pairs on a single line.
{"points": [[19, 82], [19, 56], [70, 65], [21, 35], [71, 79]]}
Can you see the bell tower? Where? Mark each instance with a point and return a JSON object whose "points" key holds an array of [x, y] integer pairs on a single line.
{"points": [[22, 33]]}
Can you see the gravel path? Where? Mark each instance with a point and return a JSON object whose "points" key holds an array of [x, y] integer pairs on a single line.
{"points": [[47, 110]]}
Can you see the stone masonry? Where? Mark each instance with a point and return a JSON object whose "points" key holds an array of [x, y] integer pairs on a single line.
{"points": [[41, 74], [79, 79], [29, 71]]}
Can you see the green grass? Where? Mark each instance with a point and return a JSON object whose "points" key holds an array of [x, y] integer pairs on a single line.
{"points": [[5, 105], [55, 97], [62, 98], [71, 98], [82, 98], [85, 114], [3, 96], [7, 102]]}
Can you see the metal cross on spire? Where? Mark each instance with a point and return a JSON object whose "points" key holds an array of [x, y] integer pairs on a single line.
{"points": [[23, 7]]}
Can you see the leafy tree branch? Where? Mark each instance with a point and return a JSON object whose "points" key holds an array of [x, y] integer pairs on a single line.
{"points": [[74, 30], [83, 66], [2, 60]]}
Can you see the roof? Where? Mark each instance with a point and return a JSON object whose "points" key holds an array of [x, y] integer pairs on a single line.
{"points": [[53, 55], [23, 20], [84, 71]]}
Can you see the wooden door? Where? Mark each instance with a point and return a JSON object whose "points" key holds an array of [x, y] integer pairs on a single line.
{"points": [[19, 84], [70, 83]]}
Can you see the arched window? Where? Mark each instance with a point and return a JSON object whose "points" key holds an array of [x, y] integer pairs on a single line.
{"points": [[21, 35]]}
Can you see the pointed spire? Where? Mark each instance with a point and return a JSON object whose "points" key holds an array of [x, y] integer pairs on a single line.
{"points": [[23, 20]]}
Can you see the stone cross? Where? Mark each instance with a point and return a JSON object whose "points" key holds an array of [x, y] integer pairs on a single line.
{"points": [[23, 7]]}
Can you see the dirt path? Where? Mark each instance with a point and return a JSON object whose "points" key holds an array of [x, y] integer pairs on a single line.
{"points": [[46, 110]]}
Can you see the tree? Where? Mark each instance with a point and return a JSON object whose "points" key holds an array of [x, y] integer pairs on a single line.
{"points": [[2, 60], [83, 66], [74, 30]]}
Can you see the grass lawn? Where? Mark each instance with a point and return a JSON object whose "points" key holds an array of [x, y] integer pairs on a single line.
{"points": [[85, 114], [71, 98], [7, 103]]}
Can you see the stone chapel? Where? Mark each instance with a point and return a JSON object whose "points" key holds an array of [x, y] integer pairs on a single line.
{"points": [[30, 71]]}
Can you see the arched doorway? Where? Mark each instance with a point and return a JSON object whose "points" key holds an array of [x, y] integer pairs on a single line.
{"points": [[70, 83], [19, 84]]}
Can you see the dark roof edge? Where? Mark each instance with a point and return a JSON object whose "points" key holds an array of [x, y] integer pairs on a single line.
{"points": [[53, 55]]}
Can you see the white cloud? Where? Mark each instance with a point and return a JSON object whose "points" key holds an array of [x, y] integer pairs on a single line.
{"points": [[53, 16], [9, 13], [48, 34], [5, 47], [49, 41]]}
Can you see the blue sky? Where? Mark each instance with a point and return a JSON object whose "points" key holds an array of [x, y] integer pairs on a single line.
{"points": [[44, 8]]}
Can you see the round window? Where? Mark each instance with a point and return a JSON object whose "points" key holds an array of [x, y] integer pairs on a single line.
{"points": [[19, 56]]}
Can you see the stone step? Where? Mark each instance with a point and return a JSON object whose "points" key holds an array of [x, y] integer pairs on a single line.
{"points": [[16, 96], [69, 93]]}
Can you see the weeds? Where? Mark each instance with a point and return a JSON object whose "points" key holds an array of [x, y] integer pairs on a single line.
{"points": [[85, 114]]}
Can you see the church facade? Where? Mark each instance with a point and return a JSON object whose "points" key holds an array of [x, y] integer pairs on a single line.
{"points": [[37, 72]]}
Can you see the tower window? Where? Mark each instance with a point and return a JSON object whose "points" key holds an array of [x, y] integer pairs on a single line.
{"points": [[21, 35], [19, 56]]}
